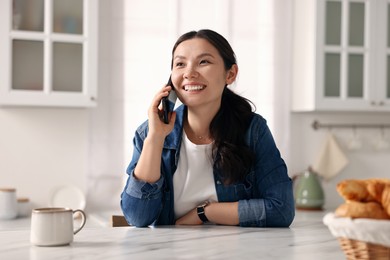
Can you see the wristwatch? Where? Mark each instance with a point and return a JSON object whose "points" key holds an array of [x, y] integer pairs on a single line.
{"points": [[201, 212]]}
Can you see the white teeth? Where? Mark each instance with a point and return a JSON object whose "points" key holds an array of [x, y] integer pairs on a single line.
{"points": [[193, 88]]}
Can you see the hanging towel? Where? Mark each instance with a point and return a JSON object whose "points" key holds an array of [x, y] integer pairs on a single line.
{"points": [[331, 160]]}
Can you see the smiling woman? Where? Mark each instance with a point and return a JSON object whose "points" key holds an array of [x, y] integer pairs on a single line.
{"points": [[216, 160]]}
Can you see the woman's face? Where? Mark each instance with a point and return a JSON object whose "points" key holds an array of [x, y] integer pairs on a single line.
{"points": [[198, 73]]}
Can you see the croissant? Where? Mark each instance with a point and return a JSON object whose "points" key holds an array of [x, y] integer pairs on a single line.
{"points": [[356, 209], [369, 198], [386, 198], [362, 190], [355, 190]]}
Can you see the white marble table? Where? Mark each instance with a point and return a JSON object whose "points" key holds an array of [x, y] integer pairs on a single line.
{"points": [[307, 238]]}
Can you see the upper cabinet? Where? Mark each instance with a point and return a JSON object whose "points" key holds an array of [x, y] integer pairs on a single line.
{"points": [[48, 51], [341, 55]]}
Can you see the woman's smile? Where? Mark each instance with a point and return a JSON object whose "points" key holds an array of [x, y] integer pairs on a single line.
{"points": [[193, 88]]}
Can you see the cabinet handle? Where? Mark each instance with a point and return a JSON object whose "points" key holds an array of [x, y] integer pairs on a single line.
{"points": [[92, 98], [381, 103], [373, 103]]}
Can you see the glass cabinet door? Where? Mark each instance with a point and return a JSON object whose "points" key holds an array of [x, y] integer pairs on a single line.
{"points": [[344, 49], [68, 16], [332, 74], [332, 58], [27, 65], [341, 55], [333, 23], [49, 54], [355, 60], [63, 53], [28, 55], [28, 15], [67, 67]]}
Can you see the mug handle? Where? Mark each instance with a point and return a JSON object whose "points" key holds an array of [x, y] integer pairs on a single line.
{"points": [[83, 220]]}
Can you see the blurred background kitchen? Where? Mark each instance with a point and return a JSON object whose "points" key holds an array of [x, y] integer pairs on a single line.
{"points": [[74, 88]]}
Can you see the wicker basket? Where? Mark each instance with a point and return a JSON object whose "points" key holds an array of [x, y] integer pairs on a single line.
{"points": [[355, 249], [361, 238]]}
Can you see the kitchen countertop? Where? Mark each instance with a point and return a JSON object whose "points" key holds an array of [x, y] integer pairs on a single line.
{"points": [[307, 238]]}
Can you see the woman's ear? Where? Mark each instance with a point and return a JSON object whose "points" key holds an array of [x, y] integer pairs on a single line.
{"points": [[231, 74]]}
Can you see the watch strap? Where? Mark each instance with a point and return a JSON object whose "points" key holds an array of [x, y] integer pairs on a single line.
{"points": [[201, 212]]}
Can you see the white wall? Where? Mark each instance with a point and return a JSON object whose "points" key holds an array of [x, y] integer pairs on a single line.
{"points": [[106, 163], [41, 149]]}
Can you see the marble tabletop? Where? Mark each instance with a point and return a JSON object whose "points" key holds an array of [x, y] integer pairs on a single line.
{"points": [[307, 238]]}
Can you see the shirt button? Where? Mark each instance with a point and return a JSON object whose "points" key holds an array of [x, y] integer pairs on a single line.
{"points": [[218, 182]]}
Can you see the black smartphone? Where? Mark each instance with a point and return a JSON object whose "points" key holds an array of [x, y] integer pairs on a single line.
{"points": [[168, 102]]}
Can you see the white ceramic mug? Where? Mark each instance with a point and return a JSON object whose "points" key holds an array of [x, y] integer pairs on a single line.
{"points": [[54, 226], [8, 203]]}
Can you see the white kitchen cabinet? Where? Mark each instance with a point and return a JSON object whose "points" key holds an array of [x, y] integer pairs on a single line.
{"points": [[341, 55], [48, 51]]}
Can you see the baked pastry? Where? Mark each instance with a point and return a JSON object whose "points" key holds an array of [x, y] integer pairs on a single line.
{"points": [[380, 191], [362, 190], [369, 198], [356, 209], [355, 190], [386, 199]]}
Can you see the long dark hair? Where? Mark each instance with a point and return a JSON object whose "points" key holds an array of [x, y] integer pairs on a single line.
{"points": [[232, 157]]}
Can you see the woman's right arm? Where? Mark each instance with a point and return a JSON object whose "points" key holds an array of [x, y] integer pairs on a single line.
{"points": [[149, 164], [141, 199]]}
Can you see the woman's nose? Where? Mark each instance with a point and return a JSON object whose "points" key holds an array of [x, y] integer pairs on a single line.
{"points": [[190, 73]]}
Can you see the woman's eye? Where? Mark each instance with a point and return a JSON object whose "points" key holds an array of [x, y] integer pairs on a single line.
{"points": [[204, 62], [179, 64]]}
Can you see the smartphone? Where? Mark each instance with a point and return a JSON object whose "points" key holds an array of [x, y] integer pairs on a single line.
{"points": [[168, 102]]}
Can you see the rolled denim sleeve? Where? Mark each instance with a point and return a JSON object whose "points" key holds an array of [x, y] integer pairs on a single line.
{"points": [[140, 201], [144, 190], [276, 209], [252, 213]]}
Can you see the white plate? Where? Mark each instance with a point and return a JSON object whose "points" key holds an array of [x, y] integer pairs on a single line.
{"points": [[68, 197]]}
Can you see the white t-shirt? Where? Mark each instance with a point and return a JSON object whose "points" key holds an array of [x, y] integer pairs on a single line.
{"points": [[193, 181]]}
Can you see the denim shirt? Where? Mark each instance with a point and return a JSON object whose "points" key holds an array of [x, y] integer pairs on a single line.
{"points": [[265, 197]]}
